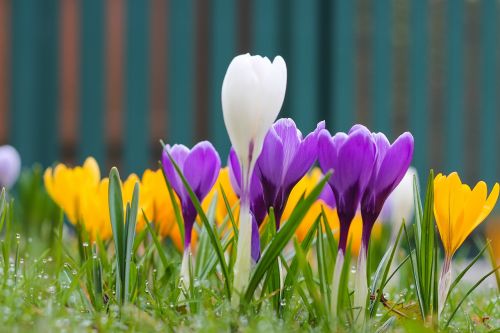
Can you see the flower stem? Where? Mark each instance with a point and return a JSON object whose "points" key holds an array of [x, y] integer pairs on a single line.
{"points": [[339, 263], [361, 286], [444, 283]]}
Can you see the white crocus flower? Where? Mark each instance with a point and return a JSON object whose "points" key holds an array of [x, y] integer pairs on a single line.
{"points": [[10, 166], [252, 95]]}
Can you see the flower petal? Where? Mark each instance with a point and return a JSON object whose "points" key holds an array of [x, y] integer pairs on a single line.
{"points": [[201, 168]]}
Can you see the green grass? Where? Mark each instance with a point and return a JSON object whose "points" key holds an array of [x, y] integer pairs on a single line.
{"points": [[50, 282]]}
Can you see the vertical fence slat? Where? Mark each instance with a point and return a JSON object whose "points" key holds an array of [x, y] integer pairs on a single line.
{"points": [[24, 108], [48, 83], [265, 30], [382, 77], [181, 72], [455, 88], [302, 69], [92, 78], [222, 50], [489, 108], [418, 95], [137, 103], [343, 104]]}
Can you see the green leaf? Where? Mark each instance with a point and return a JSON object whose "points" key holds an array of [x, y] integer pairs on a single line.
{"points": [[284, 235], [130, 236], [156, 241], [117, 225], [380, 291], [229, 210], [173, 199]]}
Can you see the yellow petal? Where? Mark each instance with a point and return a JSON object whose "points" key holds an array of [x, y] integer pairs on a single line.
{"points": [[490, 203], [442, 209], [92, 168], [473, 206]]}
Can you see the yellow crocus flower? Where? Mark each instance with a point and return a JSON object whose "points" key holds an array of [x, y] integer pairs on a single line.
{"points": [[69, 187], [458, 210]]}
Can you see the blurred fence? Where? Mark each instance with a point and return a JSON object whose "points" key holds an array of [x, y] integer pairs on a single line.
{"points": [[111, 78]]}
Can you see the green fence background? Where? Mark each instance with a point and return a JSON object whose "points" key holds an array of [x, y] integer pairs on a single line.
{"points": [[431, 67]]}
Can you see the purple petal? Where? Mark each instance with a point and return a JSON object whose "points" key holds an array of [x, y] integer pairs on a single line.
{"points": [[201, 168], [255, 242], [356, 158], [270, 161], [329, 149], [179, 154], [234, 171], [291, 139], [395, 163], [383, 146], [304, 158], [327, 196]]}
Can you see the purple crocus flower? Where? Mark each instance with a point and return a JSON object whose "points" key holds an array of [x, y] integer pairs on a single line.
{"points": [[351, 157], [200, 166], [286, 157], [391, 164]]}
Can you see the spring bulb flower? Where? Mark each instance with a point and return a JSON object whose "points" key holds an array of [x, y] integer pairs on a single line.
{"points": [[200, 166], [252, 94], [458, 210], [10, 166]]}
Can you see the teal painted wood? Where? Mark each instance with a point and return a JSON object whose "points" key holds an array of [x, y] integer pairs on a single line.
{"points": [[382, 71], [92, 120], [489, 160], [24, 106], [48, 82], [137, 87], [303, 71], [418, 83], [265, 28], [222, 51], [454, 119], [181, 75], [343, 70]]}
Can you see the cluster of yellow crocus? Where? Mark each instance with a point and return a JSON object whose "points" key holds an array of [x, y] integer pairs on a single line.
{"points": [[83, 196]]}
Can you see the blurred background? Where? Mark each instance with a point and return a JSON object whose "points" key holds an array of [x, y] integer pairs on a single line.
{"points": [[110, 78]]}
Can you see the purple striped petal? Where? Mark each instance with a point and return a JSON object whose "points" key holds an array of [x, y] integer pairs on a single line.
{"points": [[304, 158]]}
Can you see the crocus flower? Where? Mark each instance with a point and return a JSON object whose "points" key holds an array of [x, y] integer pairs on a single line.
{"points": [[252, 94], [351, 157], [200, 166], [10, 166], [458, 211], [286, 157], [82, 196], [391, 164]]}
